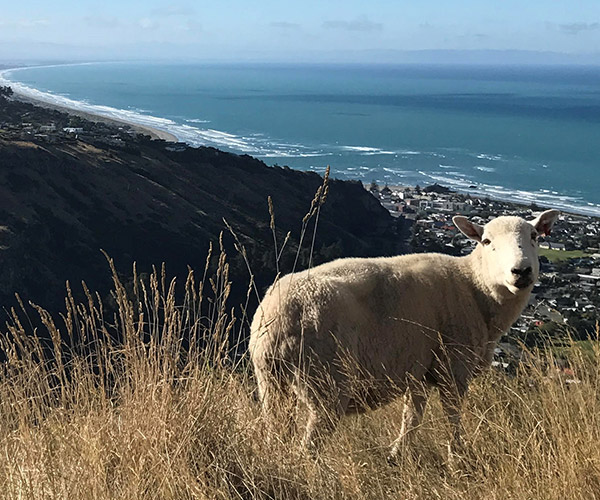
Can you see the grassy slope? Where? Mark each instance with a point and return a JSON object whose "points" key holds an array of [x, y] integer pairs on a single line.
{"points": [[560, 255], [61, 202], [146, 420]]}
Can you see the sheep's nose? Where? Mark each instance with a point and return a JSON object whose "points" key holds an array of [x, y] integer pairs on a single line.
{"points": [[523, 272]]}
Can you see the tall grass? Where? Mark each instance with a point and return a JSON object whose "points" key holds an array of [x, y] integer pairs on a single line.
{"points": [[158, 401], [91, 417]]}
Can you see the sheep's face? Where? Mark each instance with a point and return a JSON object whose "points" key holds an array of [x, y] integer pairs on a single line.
{"points": [[509, 248]]}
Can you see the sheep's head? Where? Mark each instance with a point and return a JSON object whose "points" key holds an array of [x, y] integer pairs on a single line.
{"points": [[509, 249]]}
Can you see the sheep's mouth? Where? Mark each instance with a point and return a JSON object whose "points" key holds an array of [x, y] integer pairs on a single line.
{"points": [[523, 283], [518, 286]]}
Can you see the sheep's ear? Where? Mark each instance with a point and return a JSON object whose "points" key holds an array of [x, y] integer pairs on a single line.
{"points": [[468, 228], [543, 223]]}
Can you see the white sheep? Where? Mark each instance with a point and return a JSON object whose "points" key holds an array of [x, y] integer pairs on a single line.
{"points": [[357, 333]]}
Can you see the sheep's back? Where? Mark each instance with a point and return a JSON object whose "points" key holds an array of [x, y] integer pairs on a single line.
{"points": [[385, 313]]}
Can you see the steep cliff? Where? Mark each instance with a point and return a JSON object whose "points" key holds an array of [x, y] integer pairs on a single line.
{"points": [[64, 199]]}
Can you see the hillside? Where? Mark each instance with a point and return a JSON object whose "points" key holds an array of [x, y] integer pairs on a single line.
{"points": [[63, 198], [83, 416]]}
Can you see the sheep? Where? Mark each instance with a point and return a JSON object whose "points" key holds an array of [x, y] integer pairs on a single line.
{"points": [[407, 323]]}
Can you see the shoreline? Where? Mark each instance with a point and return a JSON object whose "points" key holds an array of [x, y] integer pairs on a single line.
{"points": [[482, 196], [568, 203], [154, 133], [24, 96]]}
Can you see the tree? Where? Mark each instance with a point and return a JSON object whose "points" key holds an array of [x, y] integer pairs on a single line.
{"points": [[76, 121], [6, 92]]}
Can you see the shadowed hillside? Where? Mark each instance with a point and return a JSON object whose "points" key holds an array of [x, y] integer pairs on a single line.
{"points": [[62, 199]]}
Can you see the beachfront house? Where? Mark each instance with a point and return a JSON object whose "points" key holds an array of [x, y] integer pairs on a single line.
{"points": [[551, 245]]}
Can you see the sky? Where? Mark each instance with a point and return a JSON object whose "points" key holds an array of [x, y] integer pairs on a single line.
{"points": [[303, 30]]}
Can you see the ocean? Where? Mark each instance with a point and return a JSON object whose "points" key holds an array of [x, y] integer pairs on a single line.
{"points": [[526, 134]]}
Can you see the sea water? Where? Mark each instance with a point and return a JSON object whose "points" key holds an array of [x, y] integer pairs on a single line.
{"points": [[527, 134]]}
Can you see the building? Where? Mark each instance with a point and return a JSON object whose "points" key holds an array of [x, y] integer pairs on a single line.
{"points": [[553, 246]]}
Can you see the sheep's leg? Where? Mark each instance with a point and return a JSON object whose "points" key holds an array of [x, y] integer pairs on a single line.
{"points": [[412, 414], [451, 397], [266, 392], [453, 371], [272, 395], [322, 421]]}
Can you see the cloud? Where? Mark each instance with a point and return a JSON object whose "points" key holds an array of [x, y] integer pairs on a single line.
{"points": [[172, 10], [284, 25], [101, 21], [576, 28], [147, 23], [193, 26], [32, 23], [473, 41], [361, 23]]}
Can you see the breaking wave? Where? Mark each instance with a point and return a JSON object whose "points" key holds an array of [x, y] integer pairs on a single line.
{"points": [[461, 169], [184, 132], [483, 156], [541, 197], [367, 151]]}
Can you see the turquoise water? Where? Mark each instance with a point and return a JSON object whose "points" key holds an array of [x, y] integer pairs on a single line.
{"points": [[519, 133]]}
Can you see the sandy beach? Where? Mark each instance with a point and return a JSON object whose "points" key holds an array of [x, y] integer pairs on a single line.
{"points": [[142, 129], [25, 96]]}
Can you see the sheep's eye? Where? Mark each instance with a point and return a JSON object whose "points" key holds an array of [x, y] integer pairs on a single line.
{"points": [[534, 236], [485, 242]]}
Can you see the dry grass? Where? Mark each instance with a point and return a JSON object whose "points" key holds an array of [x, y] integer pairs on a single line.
{"points": [[156, 402], [146, 418]]}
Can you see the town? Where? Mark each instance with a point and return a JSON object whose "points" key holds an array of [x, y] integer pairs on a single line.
{"points": [[566, 300]]}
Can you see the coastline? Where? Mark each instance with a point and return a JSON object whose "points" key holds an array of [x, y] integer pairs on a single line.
{"points": [[298, 154], [521, 205], [24, 96], [154, 133]]}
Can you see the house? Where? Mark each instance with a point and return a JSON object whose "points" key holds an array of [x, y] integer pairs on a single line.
{"points": [[551, 245], [385, 193], [406, 209], [404, 194], [547, 313], [589, 278], [450, 206], [425, 204]]}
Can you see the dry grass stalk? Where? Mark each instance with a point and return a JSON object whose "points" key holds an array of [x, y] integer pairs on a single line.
{"points": [[88, 417], [117, 407]]}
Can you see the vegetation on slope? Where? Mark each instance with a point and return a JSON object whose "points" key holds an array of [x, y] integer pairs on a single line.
{"points": [[64, 200], [561, 255], [87, 417], [155, 399]]}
